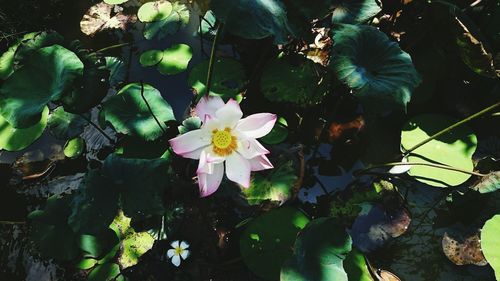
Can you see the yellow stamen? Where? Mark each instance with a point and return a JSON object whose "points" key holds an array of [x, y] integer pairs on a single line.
{"points": [[223, 142], [178, 251]]}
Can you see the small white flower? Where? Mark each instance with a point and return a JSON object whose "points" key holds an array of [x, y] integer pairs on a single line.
{"points": [[179, 251]]}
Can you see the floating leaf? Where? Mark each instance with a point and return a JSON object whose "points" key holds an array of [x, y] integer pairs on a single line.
{"points": [[74, 148], [178, 18], [175, 59], [278, 134], [293, 79], [454, 149], [50, 232], [13, 139], [151, 57], [50, 72], [354, 11], [267, 240], [463, 250], [276, 186], [228, 78], [490, 241], [318, 257], [488, 184], [103, 16], [115, 2], [382, 75], [64, 125], [129, 114], [356, 268], [105, 272], [253, 19], [154, 11]]}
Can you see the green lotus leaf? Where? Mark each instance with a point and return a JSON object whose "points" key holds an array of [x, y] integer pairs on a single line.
{"points": [[92, 87], [154, 11], [13, 139], [319, 257], [141, 183], [33, 42], [276, 186], [97, 245], [74, 148], [253, 19], [105, 272], [356, 267], [175, 59], [49, 73], [178, 18], [7, 59], [293, 79], [134, 246], [115, 2], [50, 231], [382, 75], [490, 241], [95, 205], [64, 125], [208, 25], [190, 124], [151, 57], [268, 239], [454, 149], [278, 134], [310, 12], [117, 70], [354, 11], [129, 114], [86, 263], [228, 78]]}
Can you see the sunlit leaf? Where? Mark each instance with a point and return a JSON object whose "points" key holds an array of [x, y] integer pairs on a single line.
{"points": [[175, 59], [154, 11], [293, 79], [381, 74], [490, 241], [49, 73], [74, 148], [488, 184], [151, 57], [228, 78], [13, 139], [102, 17], [64, 125], [129, 113], [454, 149], [178, 18], [253, 19], [32, 42], [99, 244], [104, 272], [267, 240], [356, 268], [115, 2]]}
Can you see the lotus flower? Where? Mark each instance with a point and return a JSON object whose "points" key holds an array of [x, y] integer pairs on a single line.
{"points": [[225, 138]]}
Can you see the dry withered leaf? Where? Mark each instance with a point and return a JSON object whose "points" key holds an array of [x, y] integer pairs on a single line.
{"points": [[463, 250], [103, 16]]}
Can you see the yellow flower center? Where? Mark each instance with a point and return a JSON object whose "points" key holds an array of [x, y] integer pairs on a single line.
{"points": [[223, 142], [178, 251]]}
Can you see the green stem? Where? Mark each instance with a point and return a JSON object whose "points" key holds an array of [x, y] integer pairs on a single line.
{"points": [[446, 130], [151, 110], [113, 47], [211, 64], [438, 166], [12, 222], [97, 128]]}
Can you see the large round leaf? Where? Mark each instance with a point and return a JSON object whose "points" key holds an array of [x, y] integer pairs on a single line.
{"points": [[129, 114], [381, 74], [354, 11], [13, 139], [267, 241], [33, 42], [228, 78], [293, 79], [49, 73], [253, 19], [64, 125], [453, 149], [178, 18], [175, 59], [154, 11], [490, 241], [151, 57]]}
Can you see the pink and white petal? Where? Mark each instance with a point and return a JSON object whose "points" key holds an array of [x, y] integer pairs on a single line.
{"points": [[251, 148], [208, 183], [208, 159], [175, 244], [195, 154], [229, 114], [170, 253], [256, 125], [238, 169], [185, 254], [176, 260], [190, 141], [260, 163], [184, 245], [207, 106]]}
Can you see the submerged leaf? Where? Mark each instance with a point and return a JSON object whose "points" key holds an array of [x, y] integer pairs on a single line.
{"points": [[47, 75], [382, 75]]}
